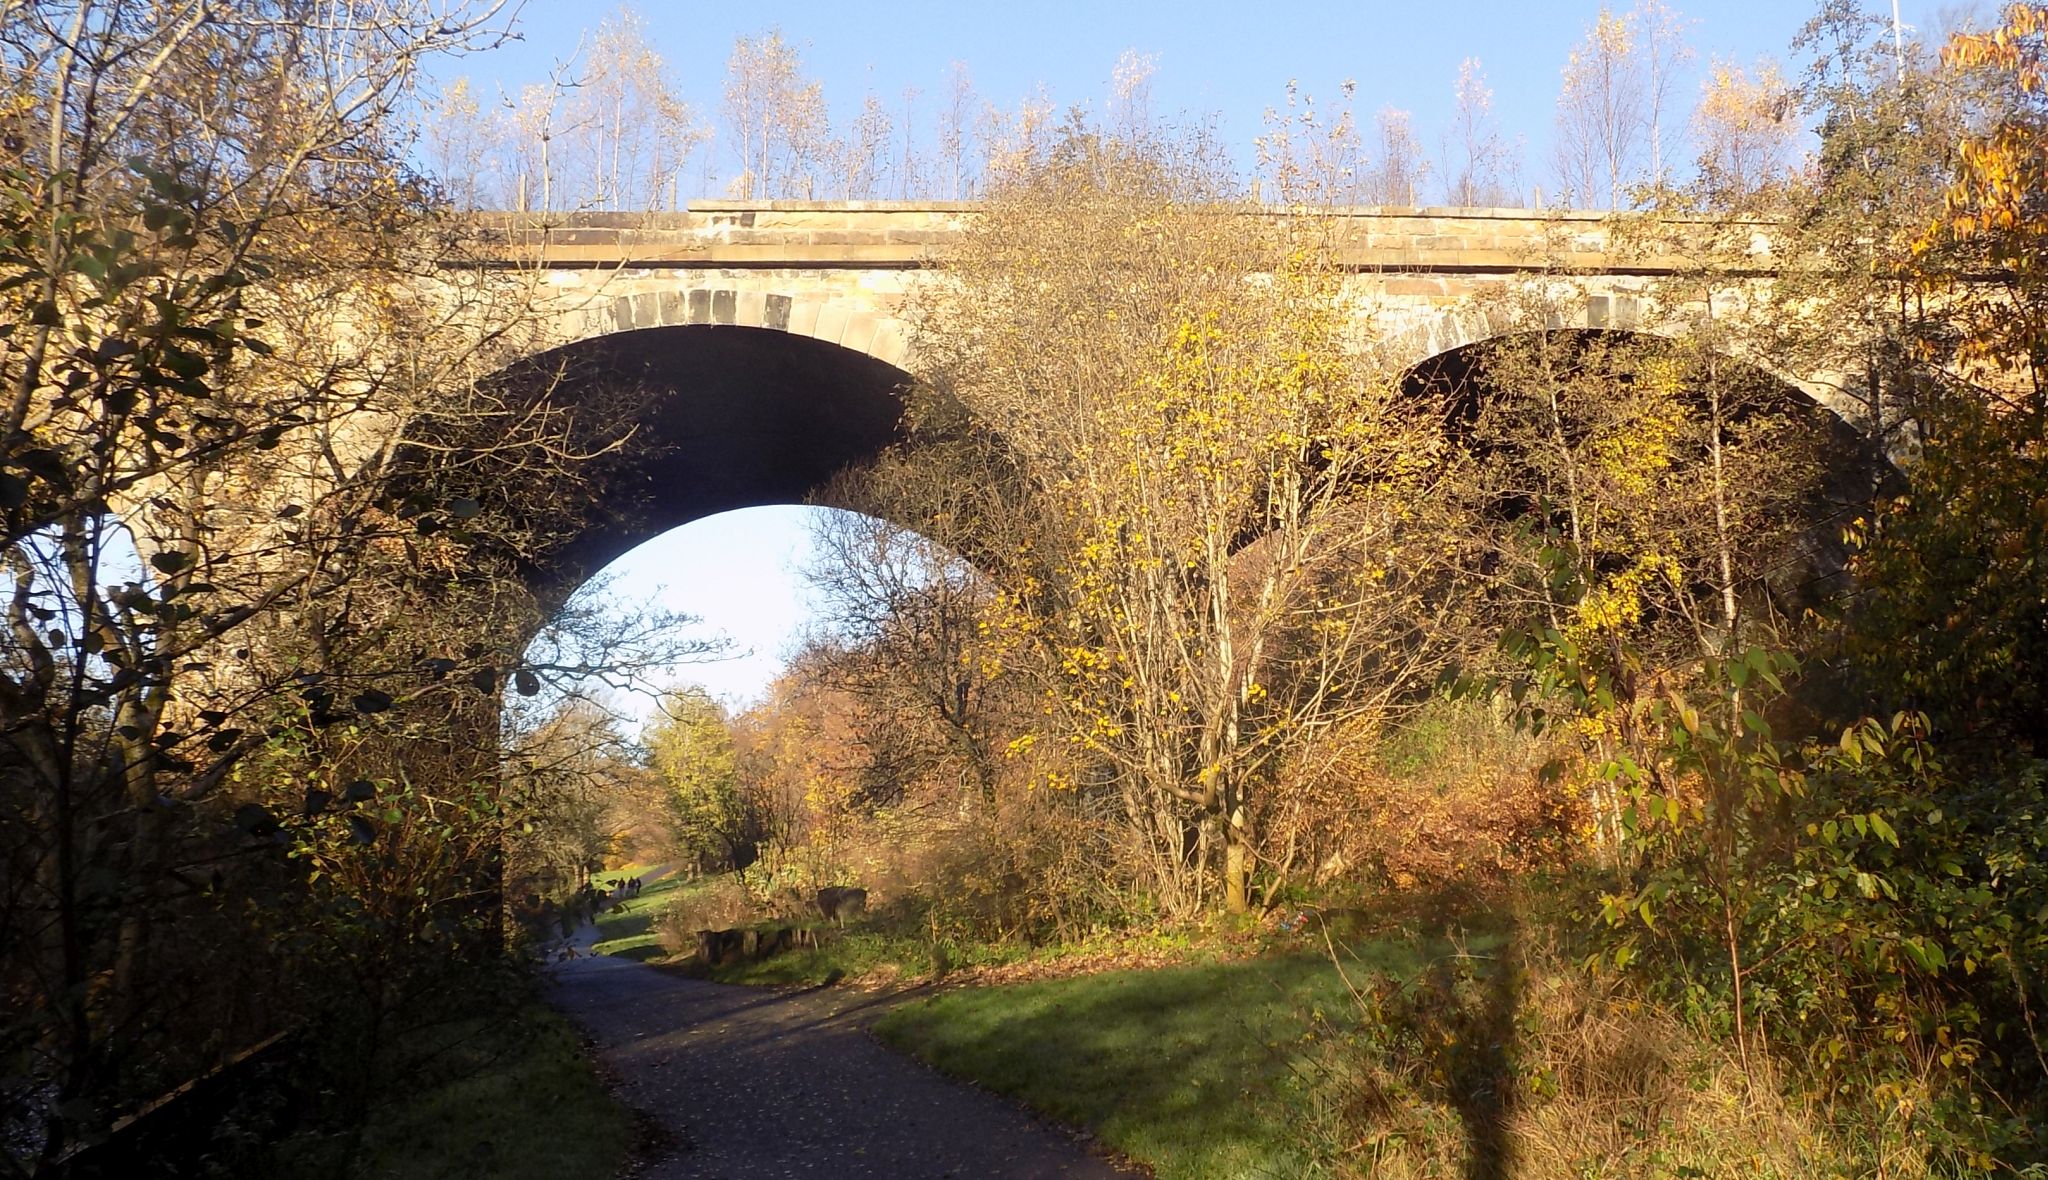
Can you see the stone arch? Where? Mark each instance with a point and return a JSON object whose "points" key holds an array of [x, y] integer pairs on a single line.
{"points": [[858, 326], [723, 414], [1437, 332], [1848, 473]]}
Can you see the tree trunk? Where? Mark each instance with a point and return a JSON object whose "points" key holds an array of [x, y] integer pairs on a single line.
{"points": [[1237, 861]]}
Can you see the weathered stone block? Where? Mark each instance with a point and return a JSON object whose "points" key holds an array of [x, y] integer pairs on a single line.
{"points": [[751, 309], [803, 316], [832, 320]]}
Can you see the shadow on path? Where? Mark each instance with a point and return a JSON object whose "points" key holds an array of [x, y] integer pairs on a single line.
{"points": [[772, 1084]]}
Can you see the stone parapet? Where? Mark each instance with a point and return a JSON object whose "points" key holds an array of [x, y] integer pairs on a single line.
{"points": [[879, 235]]}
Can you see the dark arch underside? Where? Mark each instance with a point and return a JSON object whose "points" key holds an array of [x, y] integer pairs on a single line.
{"points": [[1850, 470], [726, 417]]}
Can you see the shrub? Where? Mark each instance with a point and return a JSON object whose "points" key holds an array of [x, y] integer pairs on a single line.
{"points": [[714, 903], [1521, 1063], [1454, 797]]}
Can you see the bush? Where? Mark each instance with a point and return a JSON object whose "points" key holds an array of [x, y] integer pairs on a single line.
{"points": [[1020, 870], [1455, 797], [714, 903], [1521, 1063]]}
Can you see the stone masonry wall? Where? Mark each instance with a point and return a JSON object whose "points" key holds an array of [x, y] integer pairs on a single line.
{"points": [[1430, 280]]}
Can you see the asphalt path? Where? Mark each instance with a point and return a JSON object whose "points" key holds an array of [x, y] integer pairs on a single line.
{"points": [[747, 1082]]}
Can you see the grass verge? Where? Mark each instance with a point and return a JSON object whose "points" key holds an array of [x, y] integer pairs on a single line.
{"points": [[507, 1095], [864, 954], [525, 1104], [628, 931], [1193, 1070]]}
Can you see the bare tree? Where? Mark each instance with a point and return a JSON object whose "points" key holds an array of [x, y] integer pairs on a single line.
{"points": [[1196, 603], [864, 155], [1015, 141], [1745, 131], [910, 167], [1398, 170], [228, 340], [1613, 109], [1660, 30], [463, 144], [956, 133], [574, 781], [633, 132], [902, 619], [1480, 166], [1313, 156], [540, 117], [1600, 113], [775, 118], [1130, 94]]}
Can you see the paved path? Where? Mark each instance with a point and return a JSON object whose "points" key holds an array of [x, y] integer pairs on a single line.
{"points": [[756, 1083]]}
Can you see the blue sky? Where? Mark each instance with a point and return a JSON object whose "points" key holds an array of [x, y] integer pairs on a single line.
{"points": [[1230, 60]]}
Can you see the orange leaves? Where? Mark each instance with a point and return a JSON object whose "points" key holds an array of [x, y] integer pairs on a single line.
{"points": [[2014, 47], [1991, 219], [2002, 169]]}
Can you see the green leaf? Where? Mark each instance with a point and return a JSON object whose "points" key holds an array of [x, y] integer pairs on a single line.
{"points": [[1884, 830]]}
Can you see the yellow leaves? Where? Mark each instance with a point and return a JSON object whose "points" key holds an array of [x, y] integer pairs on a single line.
{"points": [[1594, 729], [1619, 602], [1611, 33], [1734, 101], [2006, 48], [2003, 172]]}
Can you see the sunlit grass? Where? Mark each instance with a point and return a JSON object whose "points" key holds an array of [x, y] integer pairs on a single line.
{"points": [[1193, 1070], [628, 931]]}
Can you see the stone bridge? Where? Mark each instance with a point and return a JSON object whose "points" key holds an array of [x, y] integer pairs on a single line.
{"points": [[776, 327], [840, 271]]}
